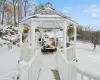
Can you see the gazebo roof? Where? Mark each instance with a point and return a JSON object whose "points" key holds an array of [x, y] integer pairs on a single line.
{"points": [[49, 17]]}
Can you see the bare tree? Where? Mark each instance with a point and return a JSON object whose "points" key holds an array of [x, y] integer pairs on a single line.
{"points": [[89, 35], [3, 4], [95, 38]]}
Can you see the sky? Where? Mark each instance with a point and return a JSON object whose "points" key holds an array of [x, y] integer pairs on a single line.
{"points": [[84, 12]]}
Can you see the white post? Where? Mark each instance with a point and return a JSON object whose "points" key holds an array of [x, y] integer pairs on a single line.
{"points": [[29, 36], [33, 36], [21, 27], [55, 36], [41, 37], [75, 34], [14, 78], [64, 37]]}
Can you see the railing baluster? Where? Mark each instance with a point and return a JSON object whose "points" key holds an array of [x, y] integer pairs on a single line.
{"points": [[81, 77], [14, 78], [89, 78]]}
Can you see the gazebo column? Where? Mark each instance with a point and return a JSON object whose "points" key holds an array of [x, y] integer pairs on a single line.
{"points": [[33, 36], [41, 37], [21, 27], [29, 36], [55, 36], [64, 37]]}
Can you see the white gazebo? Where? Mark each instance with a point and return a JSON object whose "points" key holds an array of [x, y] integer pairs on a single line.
{"points": [[46, 19]]}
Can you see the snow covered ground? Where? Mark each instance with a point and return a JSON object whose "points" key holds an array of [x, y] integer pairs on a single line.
{"points": [[9, 60], [88, 59]]}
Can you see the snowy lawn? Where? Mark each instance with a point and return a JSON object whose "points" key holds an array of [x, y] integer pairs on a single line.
{"points": [[9, 60], [88, 59]]}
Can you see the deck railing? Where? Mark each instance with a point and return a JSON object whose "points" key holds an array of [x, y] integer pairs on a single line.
{"points": [[67, 70], [86, 76], [26, 52], [10, 76], [31, 70], [70, 53], [70, 70]]}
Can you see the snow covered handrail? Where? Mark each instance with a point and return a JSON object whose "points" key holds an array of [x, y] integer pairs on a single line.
{"points": [[10, 76], [85, 74], [32, 68], [26, 52], [5, 78], [68, 70], [70, 53]]}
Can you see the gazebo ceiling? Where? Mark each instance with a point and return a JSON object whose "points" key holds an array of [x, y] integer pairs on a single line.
{"points": [[50, 24]]}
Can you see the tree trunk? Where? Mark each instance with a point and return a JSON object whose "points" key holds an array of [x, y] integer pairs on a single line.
{"points": [[25, 9], [14, 5], [14, 16], [94, 46], [11, 19], [8, 17], [2, 17], [18, 12]]}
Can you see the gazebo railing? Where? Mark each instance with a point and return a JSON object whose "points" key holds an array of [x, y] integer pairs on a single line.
{"points": [[68, 70], [86, 76], [70, 53], [26, 52], [6, 78], [10, 76], [32, 69]]}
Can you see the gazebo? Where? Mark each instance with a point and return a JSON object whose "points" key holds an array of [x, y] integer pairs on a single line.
{"points": [[48, 19]]}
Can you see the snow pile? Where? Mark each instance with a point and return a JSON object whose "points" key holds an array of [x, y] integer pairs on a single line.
{"points": [[9, 34]]}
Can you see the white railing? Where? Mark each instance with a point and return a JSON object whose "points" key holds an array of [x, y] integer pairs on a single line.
{"points": [[70, 53], [10, 76], [32, 69], [67, 70], [86, 76], [5, 78], [26, 52]]}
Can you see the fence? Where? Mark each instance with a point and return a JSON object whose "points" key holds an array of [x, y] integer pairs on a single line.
{"points": [[32, 69], [67, 70], [26, 52], [10, 76], [86, 76], [70, 53]]}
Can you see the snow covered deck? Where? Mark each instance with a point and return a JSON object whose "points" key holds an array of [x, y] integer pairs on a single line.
{"points": [[48, 63]]}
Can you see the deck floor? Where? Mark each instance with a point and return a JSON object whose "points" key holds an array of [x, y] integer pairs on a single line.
{"points": [[48, 67]]}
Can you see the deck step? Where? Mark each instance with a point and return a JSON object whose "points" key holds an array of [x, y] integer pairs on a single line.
{"points": [[56, 74]]}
